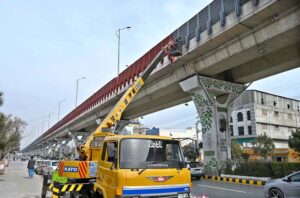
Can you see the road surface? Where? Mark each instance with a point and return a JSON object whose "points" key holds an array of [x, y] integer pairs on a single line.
{"points": [[215, 189]]}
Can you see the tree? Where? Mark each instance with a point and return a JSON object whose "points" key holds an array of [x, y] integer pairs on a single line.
{"points": [[11, 129], [294, 140], [245, 156], [236, 150], [190, 151], [263, 145], [1, 98]]}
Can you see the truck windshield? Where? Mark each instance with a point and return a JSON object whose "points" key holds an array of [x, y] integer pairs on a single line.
{"points": [[150, 153]]}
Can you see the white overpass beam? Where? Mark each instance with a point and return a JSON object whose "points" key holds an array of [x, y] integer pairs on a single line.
{"points": [[212, 99]]}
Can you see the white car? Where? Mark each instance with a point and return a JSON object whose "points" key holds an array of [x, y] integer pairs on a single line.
{"points": [[52, 164], [287, 187], [196, 169]]}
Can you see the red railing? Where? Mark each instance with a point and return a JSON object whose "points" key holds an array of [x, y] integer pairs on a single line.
{"points": [[128, 74]]}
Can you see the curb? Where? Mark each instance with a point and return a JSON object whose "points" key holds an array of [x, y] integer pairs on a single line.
{"points": [[235, 180]]}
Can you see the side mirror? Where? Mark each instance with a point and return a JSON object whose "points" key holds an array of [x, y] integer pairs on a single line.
{"points": [[287, 179]]}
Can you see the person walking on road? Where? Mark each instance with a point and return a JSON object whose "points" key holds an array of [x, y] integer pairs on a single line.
{"points": [[30, 167]]}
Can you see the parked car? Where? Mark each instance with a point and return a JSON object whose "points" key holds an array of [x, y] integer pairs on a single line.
{"points": [[287, 187], [37, 163], [52, 164], [196, 169]]}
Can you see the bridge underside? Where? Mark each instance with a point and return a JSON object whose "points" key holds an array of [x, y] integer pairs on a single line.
{"points": [[263, 43]]}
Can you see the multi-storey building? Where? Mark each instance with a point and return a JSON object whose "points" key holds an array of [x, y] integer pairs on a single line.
{"points": [[256, 112]]}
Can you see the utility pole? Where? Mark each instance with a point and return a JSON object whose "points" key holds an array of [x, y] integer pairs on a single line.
{"points": [[118, 34], [77, 82], [49, 119], [59, 103]]}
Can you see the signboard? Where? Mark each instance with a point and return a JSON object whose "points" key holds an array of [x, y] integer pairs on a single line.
{"points": [[93, 169]]}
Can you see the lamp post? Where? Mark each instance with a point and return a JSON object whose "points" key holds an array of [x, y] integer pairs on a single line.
{"points": [[59, 103], [118, 34], [49, 117], [77, 82]]}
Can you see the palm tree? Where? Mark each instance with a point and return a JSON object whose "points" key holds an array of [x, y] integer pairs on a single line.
{"points": [[1, 98]]}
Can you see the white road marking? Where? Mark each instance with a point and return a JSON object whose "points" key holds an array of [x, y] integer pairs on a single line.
{"points": [[239, 191]]}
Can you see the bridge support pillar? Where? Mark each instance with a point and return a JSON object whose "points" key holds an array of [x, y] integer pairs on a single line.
{"points": [[79, 139], [213, 99], [62, 144]]}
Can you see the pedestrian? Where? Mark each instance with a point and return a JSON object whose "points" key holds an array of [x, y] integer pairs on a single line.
{"points": [[30, 167], [47, 174]]}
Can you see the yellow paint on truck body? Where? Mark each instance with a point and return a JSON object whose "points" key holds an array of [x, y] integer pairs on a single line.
{"points": [[111, 181]]}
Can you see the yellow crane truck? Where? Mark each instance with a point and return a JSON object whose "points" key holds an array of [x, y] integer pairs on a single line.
{"points": [[115, 165]]}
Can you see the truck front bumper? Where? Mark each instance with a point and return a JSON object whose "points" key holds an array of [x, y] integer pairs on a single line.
{"points": [[167, 191]]}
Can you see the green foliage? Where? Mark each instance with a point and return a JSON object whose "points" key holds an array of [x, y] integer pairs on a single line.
{"points": [[190, 151], [263, 145], [294, 140], [263, 169], [236, 150], [11, 129], [1, 98], [281, 169], [245, 156]]}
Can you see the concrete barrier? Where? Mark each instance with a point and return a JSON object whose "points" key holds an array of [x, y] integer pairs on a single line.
{"points": [[235, 180]]}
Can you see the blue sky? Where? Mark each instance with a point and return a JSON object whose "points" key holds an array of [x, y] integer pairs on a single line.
{"points": [[47, 45]]}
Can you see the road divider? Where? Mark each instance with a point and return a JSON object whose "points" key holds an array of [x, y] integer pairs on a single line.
{"points": [[235, 180]]}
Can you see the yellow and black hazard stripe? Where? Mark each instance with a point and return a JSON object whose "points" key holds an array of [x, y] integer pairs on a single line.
{"points": [[51, 186], [55, 192], [58, 188], [71, 187], [235, 180]]}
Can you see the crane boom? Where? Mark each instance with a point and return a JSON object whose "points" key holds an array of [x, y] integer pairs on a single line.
{"points": [[105, 128]]}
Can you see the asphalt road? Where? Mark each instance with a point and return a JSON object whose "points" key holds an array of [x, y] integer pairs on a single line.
{"points": [[15, 182], [215, 189]]}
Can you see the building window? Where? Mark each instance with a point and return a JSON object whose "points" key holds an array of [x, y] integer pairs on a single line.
{"points": [[274, 103], [290, 116], [276, 114], [276, 127], [240, 116], [288, 106], [264, 112], [248, 115], [264, 126], [249, 130], [241, 131], [230, 119], [262, 101], [231, 130], [298, 108]]}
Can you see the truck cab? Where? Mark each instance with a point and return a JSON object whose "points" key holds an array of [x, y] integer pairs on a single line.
{"points": [[141, 166]]}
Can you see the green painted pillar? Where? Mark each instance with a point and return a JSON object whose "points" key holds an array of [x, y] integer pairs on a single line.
{"points": [[213, 99]]}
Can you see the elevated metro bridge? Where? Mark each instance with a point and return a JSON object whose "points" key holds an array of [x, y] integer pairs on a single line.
{"points": [[229, 41]]}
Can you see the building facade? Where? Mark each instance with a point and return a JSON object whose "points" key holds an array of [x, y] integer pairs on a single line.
{"points": [[255, 113]]}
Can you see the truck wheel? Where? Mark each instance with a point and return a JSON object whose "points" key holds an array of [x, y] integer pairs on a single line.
{"points": [[96, 195]]}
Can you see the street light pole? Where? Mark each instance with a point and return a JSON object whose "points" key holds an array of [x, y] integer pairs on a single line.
{"points": [[49, 117], [77, 82], [118, 34], [59, 103]]}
